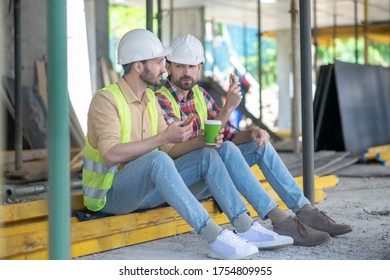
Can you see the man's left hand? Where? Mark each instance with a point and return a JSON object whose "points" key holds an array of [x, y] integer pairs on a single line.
{"points": [[220, 138], [260, 136]]}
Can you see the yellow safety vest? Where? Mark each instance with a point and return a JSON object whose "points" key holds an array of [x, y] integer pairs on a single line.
{"points": [[200, 103], [97, 176]]}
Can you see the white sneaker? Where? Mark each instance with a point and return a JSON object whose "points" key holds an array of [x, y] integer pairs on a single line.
{"points": [[264, 238], [229, 246]]}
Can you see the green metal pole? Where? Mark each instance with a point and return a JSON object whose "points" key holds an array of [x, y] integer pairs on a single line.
{"points": [[58, 132]]}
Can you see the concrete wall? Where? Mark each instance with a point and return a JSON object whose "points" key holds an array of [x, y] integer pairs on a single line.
{"points": [[285, 78], [185, 20], [3, 48], [96, 13], [33, 38]]}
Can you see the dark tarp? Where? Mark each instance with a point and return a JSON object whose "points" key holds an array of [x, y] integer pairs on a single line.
{"points": [[352, 107]]}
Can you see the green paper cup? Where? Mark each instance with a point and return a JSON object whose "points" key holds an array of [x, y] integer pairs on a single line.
{"points": [[211, 130]]}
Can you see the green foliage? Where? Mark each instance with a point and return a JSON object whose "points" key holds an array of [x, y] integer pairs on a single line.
{"points": [[268, 63], [378, 54], [124, 18]]}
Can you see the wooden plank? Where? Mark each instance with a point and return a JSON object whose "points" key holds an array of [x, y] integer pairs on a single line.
{"points": [[319, 195], [364, 170], [333, 169], [319, 158], [35, 165], [376, 153], [33, 209], [28, 166], [35, 121], [320, 183], [285, 133], [26, 176], [103, 234], [76, 132], [258, 173], [104, 64], [114, 76], [294, 162], [31, 241], [77, 135], [30, 237], [379, 149], [77, 157], [77, 160], [42, 80], [328, 161], [368, 156], [34, 154], [7, 102], [383, 156], [110, 242], [291, 160]]}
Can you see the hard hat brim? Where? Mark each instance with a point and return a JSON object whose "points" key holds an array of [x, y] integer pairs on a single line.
{"points": [[185, 61], [166, 51]]}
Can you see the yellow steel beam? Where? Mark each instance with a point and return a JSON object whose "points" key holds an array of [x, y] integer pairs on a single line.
{"points": [[373, 153], [19, 212], [379, 149], [379, 33], [319, 182], [383, 156]]}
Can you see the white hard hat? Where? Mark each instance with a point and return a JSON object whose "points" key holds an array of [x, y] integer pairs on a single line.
{"points": [[186, 49], [138, 45]]}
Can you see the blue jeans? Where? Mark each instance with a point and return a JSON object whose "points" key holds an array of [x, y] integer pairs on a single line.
{"points": [[237, 159], [155, 179]]}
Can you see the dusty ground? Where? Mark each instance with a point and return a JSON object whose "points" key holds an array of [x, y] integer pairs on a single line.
{"points": [[363, 202]]}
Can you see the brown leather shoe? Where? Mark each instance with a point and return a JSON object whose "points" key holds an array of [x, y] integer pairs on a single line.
{"points": [[320, 221], [302, 234]]}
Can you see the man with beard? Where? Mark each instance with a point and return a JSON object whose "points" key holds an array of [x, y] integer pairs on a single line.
{"points": [[181, 97], [134, 161]]}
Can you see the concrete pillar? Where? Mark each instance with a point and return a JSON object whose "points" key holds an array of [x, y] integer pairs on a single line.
{"points": [[186, 20], [96, 13], [4, 55], [283, 76], [33, 38], [285, 79]]}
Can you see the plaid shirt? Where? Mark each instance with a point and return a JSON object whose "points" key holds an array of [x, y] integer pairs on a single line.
{"points": [[187, 106]]}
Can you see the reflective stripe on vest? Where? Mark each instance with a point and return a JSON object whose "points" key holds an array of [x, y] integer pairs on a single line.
{"points": [[97, 176], [200, 103]]}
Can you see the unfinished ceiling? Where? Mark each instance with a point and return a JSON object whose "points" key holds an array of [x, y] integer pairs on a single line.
{"points": [[275, 15]]}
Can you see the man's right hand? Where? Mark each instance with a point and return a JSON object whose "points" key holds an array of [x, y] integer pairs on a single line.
{"points": [[176, 133], [234, 95]]}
